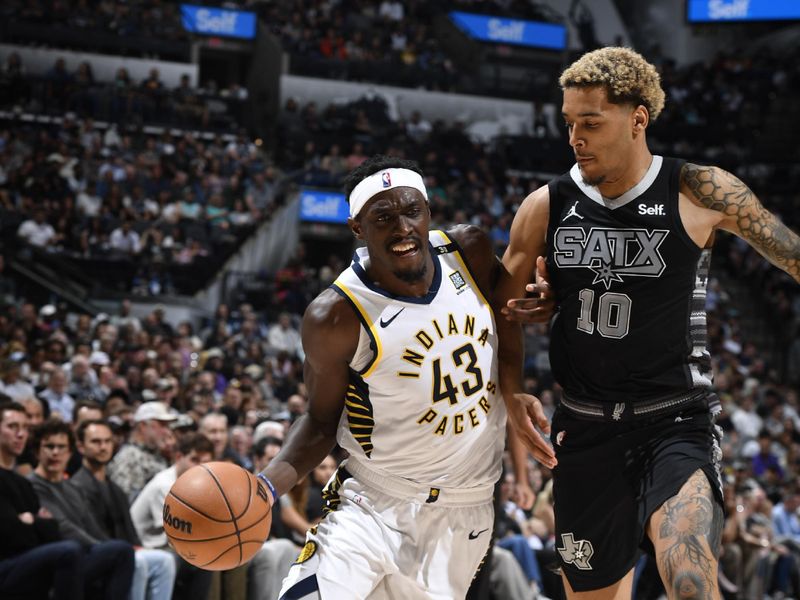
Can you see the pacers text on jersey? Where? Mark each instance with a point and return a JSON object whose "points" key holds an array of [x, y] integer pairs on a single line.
{"points": [[456, 378]]}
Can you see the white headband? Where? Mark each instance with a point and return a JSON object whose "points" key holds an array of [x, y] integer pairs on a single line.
{"points": [[384, 180]]}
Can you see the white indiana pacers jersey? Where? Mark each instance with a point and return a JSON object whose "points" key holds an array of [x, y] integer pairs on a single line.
{"points": [[423, 401]]}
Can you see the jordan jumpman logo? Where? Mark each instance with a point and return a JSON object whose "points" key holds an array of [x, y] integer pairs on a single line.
{"points": [[572, 213]]}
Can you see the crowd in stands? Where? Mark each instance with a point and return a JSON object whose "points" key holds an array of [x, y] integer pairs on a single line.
{"points": [[136, 389], [139, 18], [161, 212], [122, 100], [388, 42]]}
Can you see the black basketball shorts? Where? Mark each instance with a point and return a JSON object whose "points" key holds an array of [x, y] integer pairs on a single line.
{"points": [[612, 476]]}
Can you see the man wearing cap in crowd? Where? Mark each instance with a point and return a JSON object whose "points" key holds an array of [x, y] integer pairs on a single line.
{"points": [[140, 459], [98, 358]]}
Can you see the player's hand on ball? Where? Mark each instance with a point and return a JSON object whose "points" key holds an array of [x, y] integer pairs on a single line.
{"points": [[525, 410], [537, 308]]}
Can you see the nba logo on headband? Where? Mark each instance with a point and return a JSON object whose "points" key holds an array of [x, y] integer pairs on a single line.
{"points": [[381, 181]]}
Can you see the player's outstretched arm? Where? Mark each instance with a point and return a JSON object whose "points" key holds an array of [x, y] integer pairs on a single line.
{"points": [[490, 276], [528, 237], [742, 213], [330, 337], [524, 260]]}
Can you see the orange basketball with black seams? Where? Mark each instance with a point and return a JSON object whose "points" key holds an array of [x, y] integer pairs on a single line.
{"points": [[217, 515]]}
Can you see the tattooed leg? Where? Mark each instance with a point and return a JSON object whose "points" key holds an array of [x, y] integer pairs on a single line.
{"points": [[686, 533]]}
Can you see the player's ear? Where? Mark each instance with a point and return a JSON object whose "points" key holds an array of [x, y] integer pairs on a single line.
{"points": [[355, 227], [641, 118]]}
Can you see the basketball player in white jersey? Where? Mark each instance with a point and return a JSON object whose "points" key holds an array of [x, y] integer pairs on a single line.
{"points": [[402, 371]]}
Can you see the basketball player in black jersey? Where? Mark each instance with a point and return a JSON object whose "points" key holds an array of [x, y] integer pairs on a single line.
{"points": [[627, 238]]}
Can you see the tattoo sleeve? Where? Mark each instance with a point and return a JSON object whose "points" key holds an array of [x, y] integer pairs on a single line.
{"points": [[723, 192], [692, 525]]}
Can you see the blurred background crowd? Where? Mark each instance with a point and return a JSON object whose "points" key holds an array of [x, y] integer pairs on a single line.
{"points": [[142, 190]]}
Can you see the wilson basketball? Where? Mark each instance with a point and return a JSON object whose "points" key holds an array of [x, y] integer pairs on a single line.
{"points": [[217, 515]]}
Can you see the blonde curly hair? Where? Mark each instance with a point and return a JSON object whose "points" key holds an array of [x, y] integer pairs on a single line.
{"points": [[625, 74]]}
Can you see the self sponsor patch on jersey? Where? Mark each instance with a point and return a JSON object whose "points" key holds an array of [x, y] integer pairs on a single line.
{"points": [[309, 550], [457, 280]]}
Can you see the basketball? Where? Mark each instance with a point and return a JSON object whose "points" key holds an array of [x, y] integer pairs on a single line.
{"points": [[217, 516]]}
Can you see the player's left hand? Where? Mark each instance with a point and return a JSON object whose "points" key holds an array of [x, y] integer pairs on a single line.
{"points": [[537, 308], [523, 411], [523, 495]]}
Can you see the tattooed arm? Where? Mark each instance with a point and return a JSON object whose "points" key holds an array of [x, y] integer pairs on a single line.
{"points": [[741, 213]]}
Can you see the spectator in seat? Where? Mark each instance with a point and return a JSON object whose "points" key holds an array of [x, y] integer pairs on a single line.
{"points": [[284, 337], [215, 427], [138, 461], [154, 575], [147, 514], [33, 558], [55, 394], [124, 239], [37, 231], [107, 563], [11, 384]]}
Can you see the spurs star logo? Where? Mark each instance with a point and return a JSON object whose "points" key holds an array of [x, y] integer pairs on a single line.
{"points": [[572, 213], [577, 552], [611, 254]]}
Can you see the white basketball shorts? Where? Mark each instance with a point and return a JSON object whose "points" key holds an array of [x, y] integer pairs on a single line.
{"points": [[390, 539]]}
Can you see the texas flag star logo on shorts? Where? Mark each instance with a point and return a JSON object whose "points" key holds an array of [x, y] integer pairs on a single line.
{"points": [[386, 177]]}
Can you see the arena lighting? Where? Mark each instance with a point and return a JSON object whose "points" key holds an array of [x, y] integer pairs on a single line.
{"points": [[721, 11]]}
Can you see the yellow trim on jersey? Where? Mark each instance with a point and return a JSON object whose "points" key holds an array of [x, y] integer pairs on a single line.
{"points": [[365, 319], [460, 260]]}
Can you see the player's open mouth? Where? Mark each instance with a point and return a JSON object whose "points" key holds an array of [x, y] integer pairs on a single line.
{"points": [[404, 248]]}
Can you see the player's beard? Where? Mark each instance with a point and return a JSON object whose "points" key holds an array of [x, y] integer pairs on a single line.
{"points": [[412, 276], [593, 181]]}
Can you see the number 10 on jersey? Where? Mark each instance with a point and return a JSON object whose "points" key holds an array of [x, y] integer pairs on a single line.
{"points": [[613, 314]]}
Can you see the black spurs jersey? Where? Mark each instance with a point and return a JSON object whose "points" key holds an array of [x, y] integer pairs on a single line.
{"points": [[630, 286]]}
